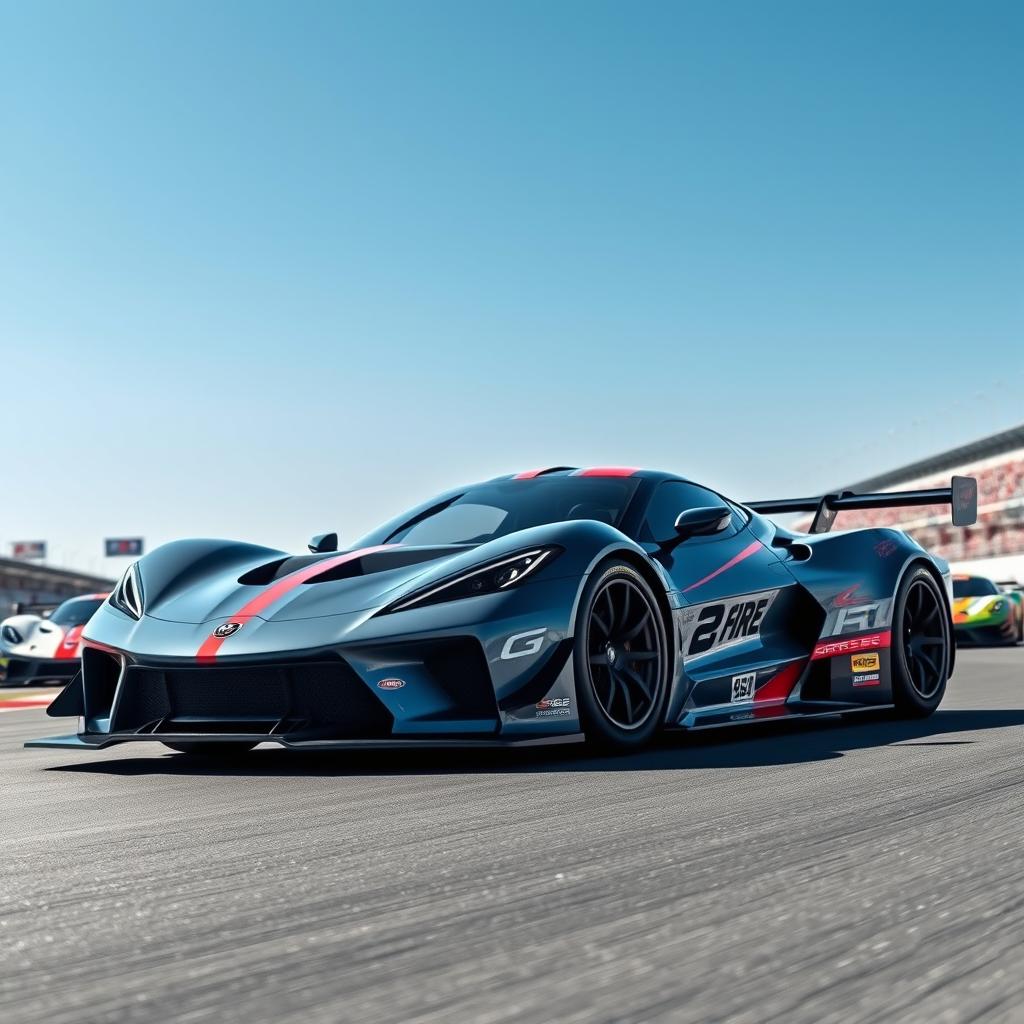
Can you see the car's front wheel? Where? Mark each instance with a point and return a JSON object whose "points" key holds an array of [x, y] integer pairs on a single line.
{"points": [[621, 659]]}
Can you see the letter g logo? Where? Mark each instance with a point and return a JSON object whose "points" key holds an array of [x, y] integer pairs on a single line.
{"points": [[521, 645]]}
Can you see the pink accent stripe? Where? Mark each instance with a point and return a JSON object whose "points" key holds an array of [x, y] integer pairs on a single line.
{"points": [[529, 474], [212, 644], [607, 471], [749, 550]]}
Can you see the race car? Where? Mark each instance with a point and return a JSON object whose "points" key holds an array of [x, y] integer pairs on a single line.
{"points": [[35, 648], [985, 614], [553, 605]]}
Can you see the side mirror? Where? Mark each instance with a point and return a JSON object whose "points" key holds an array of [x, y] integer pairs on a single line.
{"points": [[699, 522], [323, 542]]}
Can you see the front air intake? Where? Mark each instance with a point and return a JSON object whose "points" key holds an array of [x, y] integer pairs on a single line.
{"points": [[312, 699]]}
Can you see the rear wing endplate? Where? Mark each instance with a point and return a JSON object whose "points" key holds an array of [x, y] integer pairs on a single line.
{"points": [[961, 496]]}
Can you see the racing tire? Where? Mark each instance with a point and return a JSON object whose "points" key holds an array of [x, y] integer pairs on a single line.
{"points": [[621, 659], [921, 643], [213, 749]]}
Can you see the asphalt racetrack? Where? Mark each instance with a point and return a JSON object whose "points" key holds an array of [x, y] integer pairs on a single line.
{"points": [[828, 872]]}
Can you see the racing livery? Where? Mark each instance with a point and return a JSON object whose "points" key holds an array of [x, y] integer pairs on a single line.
{"points": [[553, 605], [983, 613], [34, 648]]}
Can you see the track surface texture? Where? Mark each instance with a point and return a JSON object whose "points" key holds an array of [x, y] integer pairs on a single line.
{"points": [[828, 872]]}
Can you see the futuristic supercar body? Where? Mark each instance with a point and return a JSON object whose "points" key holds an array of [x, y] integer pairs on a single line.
{"points": [[34, 648], [548, 606]]}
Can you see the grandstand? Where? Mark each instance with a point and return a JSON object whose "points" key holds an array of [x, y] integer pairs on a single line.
{"points": [[995, 546], [28, 584]]}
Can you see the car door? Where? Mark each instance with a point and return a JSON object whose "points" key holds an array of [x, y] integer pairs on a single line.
{"points": [[731, 592]]}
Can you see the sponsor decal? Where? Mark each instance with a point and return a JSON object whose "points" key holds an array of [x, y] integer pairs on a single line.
{"points": [[743, 687], [522, 645], [861, 617], [226, 629], [390, 684], [852, 645], [885, 548], [711, 627], [848, 597], [742, 716], [865, 662], [872, 680], [553, 707]]}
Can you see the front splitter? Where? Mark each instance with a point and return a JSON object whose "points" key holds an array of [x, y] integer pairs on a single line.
{"points": [[76, 742]]}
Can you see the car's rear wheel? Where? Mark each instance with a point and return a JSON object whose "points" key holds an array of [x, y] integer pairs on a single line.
{"points": [[921, 645], [621, 659], [211, 749]]}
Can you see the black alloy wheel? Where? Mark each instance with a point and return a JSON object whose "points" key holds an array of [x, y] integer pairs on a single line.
{"points": [[621, 659], [922, 636]]}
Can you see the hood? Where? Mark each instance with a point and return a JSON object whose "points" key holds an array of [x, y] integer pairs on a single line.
{"points": [[203, 580], [287, 587]]}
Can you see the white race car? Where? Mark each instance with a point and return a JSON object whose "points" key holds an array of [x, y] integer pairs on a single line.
{"points": [[36, 649]]}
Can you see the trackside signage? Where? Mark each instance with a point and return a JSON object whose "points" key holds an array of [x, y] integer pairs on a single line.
{"points": [[118, 546]]}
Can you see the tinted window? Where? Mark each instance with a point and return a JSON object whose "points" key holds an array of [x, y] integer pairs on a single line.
{"points": [[505, 506], [671, 498], [973, 586], [77, 611]]}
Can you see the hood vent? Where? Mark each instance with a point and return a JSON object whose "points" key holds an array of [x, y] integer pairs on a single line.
{"points": [[382, 561], [379, 561], [273, 571]]}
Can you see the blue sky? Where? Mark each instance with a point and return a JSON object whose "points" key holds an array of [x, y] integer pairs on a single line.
{"points": [[271, 269]]}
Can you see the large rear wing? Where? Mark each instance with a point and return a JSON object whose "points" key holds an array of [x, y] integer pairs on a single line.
{"points": [[961, 495]]}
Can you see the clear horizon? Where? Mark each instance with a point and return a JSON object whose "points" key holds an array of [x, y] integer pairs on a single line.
{"points": [[271, 271]]}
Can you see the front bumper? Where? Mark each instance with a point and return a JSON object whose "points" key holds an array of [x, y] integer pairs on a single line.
{"points": [[982, 634], [20, 671], [481, 671], [438, 690]]}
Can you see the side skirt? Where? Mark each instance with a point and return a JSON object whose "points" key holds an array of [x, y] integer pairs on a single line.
{"points": [[720, 718]]}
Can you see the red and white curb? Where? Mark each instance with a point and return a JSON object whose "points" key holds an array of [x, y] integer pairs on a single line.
{"points": [[25, 703]]}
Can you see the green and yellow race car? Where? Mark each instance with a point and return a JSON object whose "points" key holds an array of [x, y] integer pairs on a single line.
{"points": [[985, 614]]}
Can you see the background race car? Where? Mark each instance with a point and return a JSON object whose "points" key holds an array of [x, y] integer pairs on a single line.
{"points": [[985, 614], [36, 649]]}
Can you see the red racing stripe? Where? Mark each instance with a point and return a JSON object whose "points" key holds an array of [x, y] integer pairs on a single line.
{"points": [[607, 471], [863, 642], [211, 645], [68, 647], [780, 686], [749, 550]]}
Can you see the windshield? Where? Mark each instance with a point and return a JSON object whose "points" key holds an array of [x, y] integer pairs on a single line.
{"points": [[973, 586], [506, 506], [76, 612]]}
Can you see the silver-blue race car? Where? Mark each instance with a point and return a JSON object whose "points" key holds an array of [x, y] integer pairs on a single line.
{"points": [[560, 604]]}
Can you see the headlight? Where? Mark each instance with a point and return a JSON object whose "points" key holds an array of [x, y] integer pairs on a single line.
{"points": [[127, 595], [11, 635], [998, 606], [488, 579]]}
